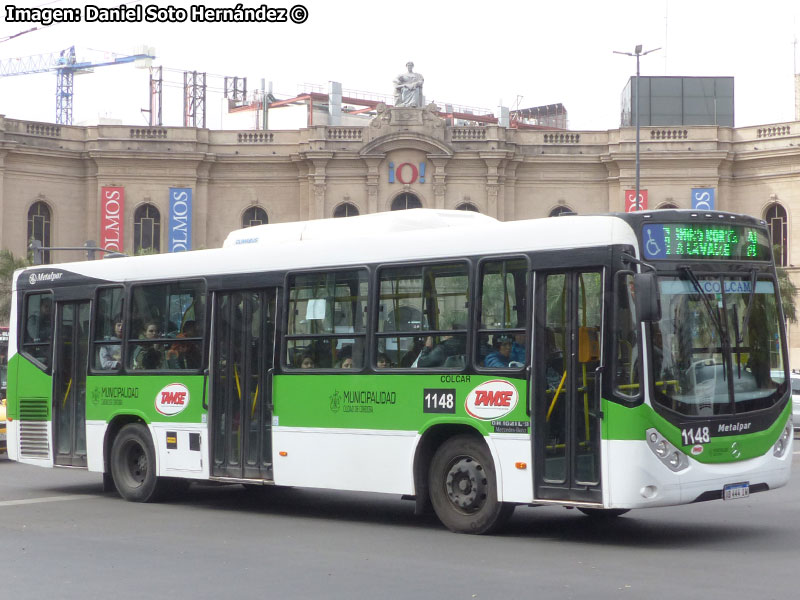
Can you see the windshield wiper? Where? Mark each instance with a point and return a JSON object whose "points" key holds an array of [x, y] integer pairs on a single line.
{"points": [[753, 277], [714, 316]]}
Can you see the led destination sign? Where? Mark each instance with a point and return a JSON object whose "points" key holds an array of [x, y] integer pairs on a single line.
{"points": [[678, 241]]}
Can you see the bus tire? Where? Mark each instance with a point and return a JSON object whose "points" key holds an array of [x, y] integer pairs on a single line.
{"points": [[133, 465], [463, 487], [603, 513]]}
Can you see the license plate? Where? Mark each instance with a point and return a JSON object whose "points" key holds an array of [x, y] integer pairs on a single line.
{"points": [[734, 491]]}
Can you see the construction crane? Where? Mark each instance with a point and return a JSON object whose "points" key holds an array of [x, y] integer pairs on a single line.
{"points": [[66, 66]]}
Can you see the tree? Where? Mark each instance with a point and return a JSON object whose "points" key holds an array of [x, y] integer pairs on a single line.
{"points": [[8, 264]]}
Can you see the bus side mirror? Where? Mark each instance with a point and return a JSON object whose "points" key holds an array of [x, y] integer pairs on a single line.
{"points": [[648, 300]]}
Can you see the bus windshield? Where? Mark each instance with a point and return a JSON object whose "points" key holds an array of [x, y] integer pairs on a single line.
{"points": [[721, 354]]}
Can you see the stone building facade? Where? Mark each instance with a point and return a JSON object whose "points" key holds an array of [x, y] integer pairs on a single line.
{"points": [[52, 177]]}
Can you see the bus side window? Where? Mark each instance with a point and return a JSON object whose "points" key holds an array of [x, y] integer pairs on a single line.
{"points": [[167, 326], [502, 340], [423, 316], [326, 320], [108, 329], [37, 337], [626, 371]]}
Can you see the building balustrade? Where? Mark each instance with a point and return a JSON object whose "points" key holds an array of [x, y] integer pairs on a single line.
{"points": [[562, 138], [43, 129], [347, 134], [468, 134], [767, 132], [669, 134], [148, 133], [255, 137]]}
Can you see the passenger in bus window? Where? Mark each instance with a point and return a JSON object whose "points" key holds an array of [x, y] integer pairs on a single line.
{"points": [[147, 354], [185, 354], [383, 361], [150, 359], [345, 358], [502, 356], [518, 348], [409, 358], [111, 354], [40, 323], [449, 346], [306, 361]]}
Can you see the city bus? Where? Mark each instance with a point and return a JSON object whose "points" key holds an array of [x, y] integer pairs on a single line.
{"points": [[603, 363]]}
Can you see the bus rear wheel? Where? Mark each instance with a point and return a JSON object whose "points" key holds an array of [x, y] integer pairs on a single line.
{"points": [[133, 465], [463, 487]]}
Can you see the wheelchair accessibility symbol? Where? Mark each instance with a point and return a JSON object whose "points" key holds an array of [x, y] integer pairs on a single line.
{"points": [[654, 244]]}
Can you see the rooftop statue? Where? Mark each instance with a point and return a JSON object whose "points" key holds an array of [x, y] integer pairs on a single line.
{"points": [[408, 88]]}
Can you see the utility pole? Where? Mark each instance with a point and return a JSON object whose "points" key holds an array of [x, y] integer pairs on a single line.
{"points": [[637, 53]]}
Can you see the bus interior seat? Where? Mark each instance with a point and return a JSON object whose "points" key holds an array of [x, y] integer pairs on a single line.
{"points": [[455, 361]]}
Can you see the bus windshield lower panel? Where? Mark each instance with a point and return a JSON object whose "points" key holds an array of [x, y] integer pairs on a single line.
{"points": [[718, 356]]}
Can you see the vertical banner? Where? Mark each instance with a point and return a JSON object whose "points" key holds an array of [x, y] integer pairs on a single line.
{"points": [[180, 219], [703, 198], [112, 210], [630, 200]]}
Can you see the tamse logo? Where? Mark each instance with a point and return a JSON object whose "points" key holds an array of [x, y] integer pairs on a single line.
{"points": [[492, 400], [172, 399]]}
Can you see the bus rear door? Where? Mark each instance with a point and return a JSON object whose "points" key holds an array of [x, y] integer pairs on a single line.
{"points": [[243, 343]]}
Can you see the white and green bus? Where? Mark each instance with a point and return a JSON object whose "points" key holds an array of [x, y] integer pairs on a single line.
{"points": [[599, 362]]}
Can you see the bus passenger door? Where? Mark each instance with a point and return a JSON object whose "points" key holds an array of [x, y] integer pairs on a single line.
{"points": [[69, 383], [241, 384], [567, 326]]}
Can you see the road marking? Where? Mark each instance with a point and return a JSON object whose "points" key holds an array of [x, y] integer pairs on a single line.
{"points": [[40, 500]]}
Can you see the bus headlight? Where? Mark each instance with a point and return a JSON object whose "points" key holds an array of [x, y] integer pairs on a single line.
{"points": [[668, 454], [779, 449]]}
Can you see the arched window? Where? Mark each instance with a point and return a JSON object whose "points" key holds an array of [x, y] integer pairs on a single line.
{"points": [[775, 216], [345, 209], [39, 226], [665, 206], [146, 230], [406, 201], [561, 210], [255, 215], [467, 206]]}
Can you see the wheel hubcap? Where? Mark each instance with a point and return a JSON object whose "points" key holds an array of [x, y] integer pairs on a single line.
{"points": [[137, 464], [466, 484]]}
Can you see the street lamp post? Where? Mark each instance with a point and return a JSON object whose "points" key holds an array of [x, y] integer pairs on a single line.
{"points": [[637, 53]]}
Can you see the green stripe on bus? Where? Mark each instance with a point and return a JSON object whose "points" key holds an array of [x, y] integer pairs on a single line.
{"points": [[623, 423], [388, 402]]}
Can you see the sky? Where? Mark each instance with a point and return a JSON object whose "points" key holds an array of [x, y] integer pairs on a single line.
{"points": [[515, 53]]}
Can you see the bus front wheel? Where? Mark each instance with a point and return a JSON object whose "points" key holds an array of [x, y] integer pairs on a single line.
{"points": [[133, 464], [463, 487]]}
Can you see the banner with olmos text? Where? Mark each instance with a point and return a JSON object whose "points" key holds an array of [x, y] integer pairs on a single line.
{"points": [[112, 211], [180, 219]]}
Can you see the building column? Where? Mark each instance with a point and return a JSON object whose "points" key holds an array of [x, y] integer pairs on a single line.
{"points": [[492, 183], [317, 183], [373, 178], [492, 191], [439, 180], [200, 209], [91, 203], [509, 199]]}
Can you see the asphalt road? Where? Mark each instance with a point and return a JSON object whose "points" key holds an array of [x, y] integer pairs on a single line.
{"points": [[62, 537]]}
